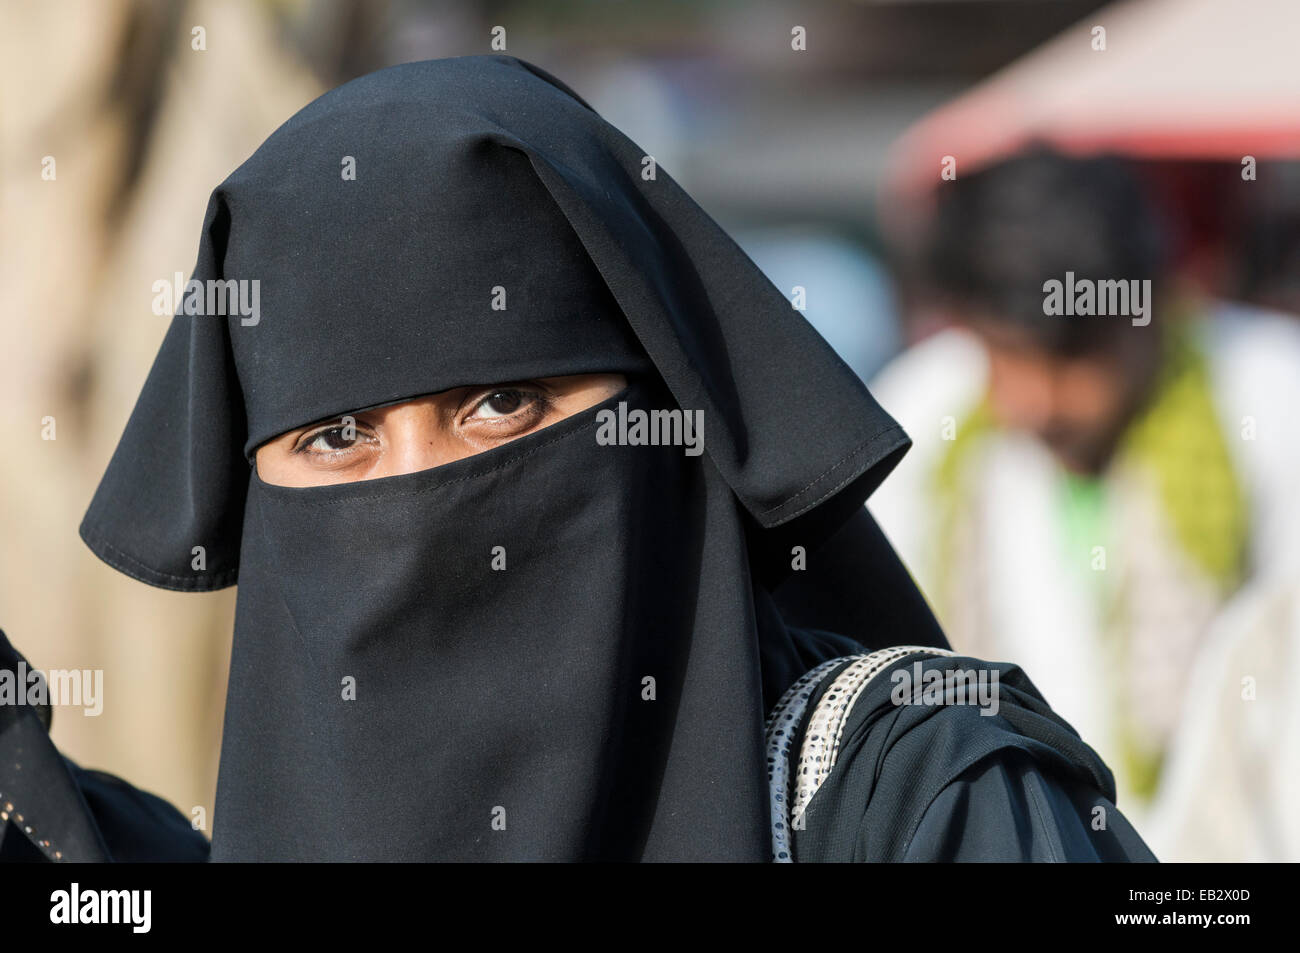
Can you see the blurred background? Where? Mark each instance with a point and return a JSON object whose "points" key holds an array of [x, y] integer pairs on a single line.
{"points": [[1107, 502]]}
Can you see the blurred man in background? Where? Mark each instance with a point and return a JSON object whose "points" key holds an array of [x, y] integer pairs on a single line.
{"points": [[1088, 491]]}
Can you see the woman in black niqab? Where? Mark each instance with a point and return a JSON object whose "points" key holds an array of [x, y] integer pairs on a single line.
{"points": [[557, 649]]}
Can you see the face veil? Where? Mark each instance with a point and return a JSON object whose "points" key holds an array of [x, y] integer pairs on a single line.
{"points": [[557, 649]]}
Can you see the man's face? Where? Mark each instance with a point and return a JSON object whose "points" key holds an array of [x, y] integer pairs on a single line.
{"points": [[1078, 406]]}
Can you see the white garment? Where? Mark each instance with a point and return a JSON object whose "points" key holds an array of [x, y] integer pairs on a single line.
{"points": [[1039, 612], [1232, 783]]}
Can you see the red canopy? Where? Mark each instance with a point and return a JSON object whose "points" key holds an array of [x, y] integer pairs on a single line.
{"points": [[1178, 79]]}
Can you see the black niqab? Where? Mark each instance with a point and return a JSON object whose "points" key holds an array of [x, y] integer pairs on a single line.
{"points": [[603, 695]]}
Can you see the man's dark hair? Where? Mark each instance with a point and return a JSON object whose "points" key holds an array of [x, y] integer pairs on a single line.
{"points": [[1001, 232]]}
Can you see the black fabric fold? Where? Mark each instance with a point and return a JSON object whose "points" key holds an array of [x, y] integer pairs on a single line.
{"points": [[951, 782], [54, 810]]}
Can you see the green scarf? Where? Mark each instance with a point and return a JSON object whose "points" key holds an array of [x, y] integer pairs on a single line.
{"points": [[1176, 438]]}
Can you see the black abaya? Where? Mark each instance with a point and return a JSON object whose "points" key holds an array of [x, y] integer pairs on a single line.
{"points": [[394, 693]]}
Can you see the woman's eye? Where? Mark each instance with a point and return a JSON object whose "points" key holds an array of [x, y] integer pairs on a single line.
{"points": [[503, 403], [331, 440]]}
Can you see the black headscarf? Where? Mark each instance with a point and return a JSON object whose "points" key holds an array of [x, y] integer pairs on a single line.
{"points": [[603, 696]]}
